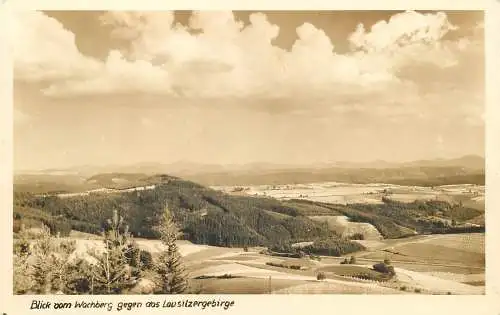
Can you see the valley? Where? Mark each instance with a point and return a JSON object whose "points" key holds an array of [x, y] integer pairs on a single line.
{"points": [[324, 237]]}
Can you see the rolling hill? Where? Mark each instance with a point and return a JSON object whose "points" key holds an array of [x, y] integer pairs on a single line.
{"points": [[211, 217], [463, 170]]}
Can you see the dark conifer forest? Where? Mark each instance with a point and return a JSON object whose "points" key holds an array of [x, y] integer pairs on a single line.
{"points": [[207, 216]]}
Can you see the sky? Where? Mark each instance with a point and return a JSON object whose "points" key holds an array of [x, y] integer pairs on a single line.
{"points": [[284, 87]]}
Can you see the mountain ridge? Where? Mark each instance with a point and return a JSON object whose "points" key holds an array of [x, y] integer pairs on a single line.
{"points": [[182, 167]]}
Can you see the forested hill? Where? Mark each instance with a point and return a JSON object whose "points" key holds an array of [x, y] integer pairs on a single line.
{"points": [[207, 216]]}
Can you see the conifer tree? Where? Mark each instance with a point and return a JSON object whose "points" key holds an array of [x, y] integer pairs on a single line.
{"points": [[60, 260], [22, 278], [43, 268], [78, 277], [50, 262], [169, 266], [110, 273], [133, 256]]}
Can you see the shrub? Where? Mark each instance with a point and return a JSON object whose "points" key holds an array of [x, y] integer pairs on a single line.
{"points": [[276, 265], [290, 255], [58, 226], [418, 290], [384, 268], [314, 257], [403, 288], [79, 278], [352, 260], [332, 247], [265, 252], [295, 267], [357, 236], [364, 275], [16, 226], [22, 247], [391, 270], [321, 276], [132, 254], [22, 280], [22, 277], [146, 259], [67, 246]]}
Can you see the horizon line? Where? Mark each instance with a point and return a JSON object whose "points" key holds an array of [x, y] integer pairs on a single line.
{"points": [[20, 170]]}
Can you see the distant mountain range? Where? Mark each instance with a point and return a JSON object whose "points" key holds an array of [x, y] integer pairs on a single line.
{"points": [[464, 170], [468, 161], [183, 168]]}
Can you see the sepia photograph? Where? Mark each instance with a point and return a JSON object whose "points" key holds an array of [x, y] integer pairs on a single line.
{"points": [[248, 152]]}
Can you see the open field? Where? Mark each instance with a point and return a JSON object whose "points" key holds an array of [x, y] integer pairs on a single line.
{"points": [[435, 254], [432, 278], [459, 257], [344, 227], [242, 285], [430, 264], [452, 249], [472, 242], [346, 193]]}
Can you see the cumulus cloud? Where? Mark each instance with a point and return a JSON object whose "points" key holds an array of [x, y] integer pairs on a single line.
{"points": [[116, 75], [218, 56], [44, 50], [402, 29], [409, 37], [145, 30]]}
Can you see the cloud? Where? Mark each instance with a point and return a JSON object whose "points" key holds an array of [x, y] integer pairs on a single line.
{"points": [[402, 30], [145, 30], [408, 38], [217, 56], [116, 75], [44, 50]]}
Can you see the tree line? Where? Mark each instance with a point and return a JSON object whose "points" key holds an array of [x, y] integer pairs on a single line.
{"points": [[394, 219]]}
